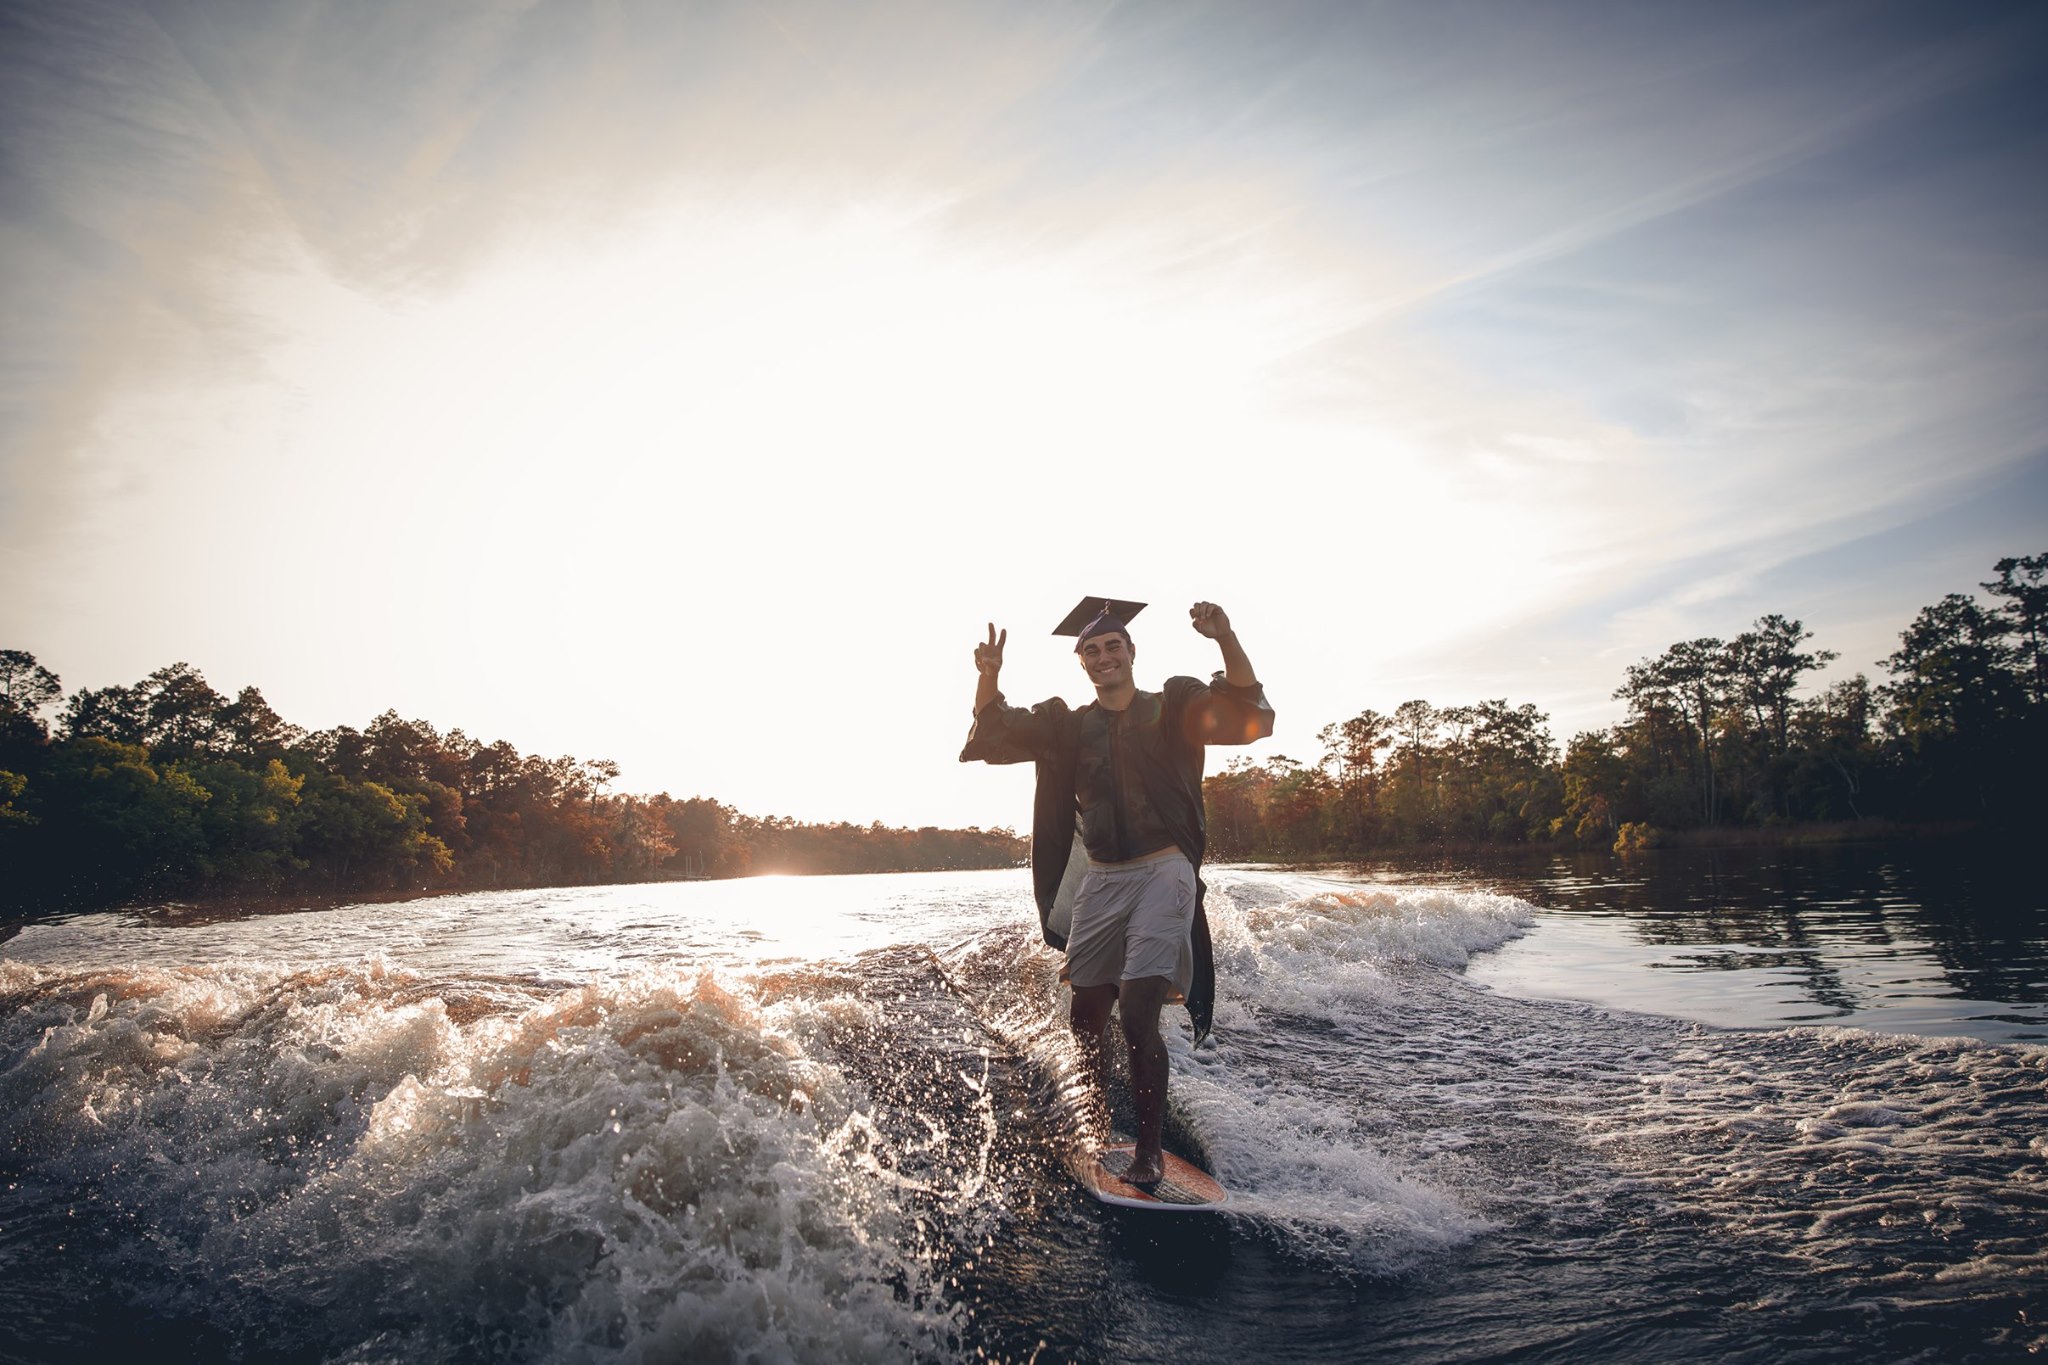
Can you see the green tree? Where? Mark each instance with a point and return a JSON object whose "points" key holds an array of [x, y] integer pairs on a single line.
{"points": [[395, 750], [1764, 666], [26, 688], [1834, 749], [1953, 709], [180, 713], [172, 713], [116, 825], [247, 728], [1512, 792], [25, 685], [1594, 778], [112, 713], [2023, 584], [1236, 800], [359, 835], [1687, 683], [250, 825], [1949, 684], [12, 786]]}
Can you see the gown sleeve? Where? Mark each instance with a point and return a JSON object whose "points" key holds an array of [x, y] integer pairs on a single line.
{"points": [[1216, 712], [1011, 734]]}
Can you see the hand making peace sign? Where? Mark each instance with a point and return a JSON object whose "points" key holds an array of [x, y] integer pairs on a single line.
{"points": [[988, 658]]}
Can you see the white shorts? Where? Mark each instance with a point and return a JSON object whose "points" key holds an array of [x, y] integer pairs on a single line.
{"points": [[1132, 920]]}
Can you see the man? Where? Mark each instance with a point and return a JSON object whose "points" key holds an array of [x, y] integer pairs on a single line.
{"points": [[1129, 766]]}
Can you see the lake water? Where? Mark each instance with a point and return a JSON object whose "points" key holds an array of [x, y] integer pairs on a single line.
{"points": [[1940, 940], [1741, 1106]]}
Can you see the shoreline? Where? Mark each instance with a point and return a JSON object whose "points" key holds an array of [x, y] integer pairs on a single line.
{"points": [[1828, 834], [1813, 834], [1820, 833]]}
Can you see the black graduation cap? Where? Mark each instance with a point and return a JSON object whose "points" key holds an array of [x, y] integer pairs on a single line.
{"points": [[1094, 609]]}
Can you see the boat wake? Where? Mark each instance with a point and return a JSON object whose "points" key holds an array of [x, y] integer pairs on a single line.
{"points": [[864, 1158]]}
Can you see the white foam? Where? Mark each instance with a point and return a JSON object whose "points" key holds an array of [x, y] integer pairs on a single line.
{"points": [[1836, 1141], [645, 1169], [1327, 954], [1289, 1160], [1287, 1157]]}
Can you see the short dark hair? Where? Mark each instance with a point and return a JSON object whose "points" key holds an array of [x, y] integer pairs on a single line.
{"points": [[1119, 630]]}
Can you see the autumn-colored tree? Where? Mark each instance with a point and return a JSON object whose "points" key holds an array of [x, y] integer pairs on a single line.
{"points": [[1351, 751], [1294, 806]]}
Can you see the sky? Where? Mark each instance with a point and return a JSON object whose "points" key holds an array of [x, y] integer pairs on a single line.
{"points": [[691, 385]]}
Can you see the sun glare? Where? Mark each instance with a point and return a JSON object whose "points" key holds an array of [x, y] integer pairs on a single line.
{"points": [[708, 352], [768, 421], [804, 368]]}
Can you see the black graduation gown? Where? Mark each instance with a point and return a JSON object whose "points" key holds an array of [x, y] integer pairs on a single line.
{"points": [[1194, 714]]}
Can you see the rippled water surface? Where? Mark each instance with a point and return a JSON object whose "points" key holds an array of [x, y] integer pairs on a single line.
{"points": [[1944, 939], [824, 1119]]}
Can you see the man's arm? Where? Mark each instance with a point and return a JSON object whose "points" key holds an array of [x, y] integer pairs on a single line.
{"points": [[988, 662], [1235, 709], [1210, 620], [1003, 733]]}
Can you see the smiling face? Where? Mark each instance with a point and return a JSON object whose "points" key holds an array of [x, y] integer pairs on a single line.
{"points": [[1107, 658]]}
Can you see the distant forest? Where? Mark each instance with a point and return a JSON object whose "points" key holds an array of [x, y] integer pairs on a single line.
{"points": [[1718, 739], [168, 789]]}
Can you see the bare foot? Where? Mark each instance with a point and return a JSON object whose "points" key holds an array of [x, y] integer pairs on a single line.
{"points": [[1147, 1168]]}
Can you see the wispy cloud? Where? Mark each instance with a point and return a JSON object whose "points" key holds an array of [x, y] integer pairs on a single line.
{"points": [[1465, 336]]}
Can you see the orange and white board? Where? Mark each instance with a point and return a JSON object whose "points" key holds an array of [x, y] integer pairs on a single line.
{"points": [[1183, 1189]]}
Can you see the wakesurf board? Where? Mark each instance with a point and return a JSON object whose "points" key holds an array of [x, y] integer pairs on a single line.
{"points": [[1184, 1188]]}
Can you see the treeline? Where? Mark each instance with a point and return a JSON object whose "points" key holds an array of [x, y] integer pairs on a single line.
{"points": [[168, 788], [1717, 735]]}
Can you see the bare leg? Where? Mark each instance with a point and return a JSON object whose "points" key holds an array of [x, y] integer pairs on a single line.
{"points": [[1088, 1016], [1140, 1002]]}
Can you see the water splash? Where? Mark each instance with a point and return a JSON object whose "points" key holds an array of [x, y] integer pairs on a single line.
{"points": [[648, 1167]]}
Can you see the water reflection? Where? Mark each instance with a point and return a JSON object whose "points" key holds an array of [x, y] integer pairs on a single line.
{"points": [[1943, 939]]}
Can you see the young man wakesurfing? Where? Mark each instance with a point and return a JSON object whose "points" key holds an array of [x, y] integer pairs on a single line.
{"points": [[1128, 766]]}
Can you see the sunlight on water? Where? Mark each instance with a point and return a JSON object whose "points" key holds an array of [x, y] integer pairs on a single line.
{"points": [[564, 931]]}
